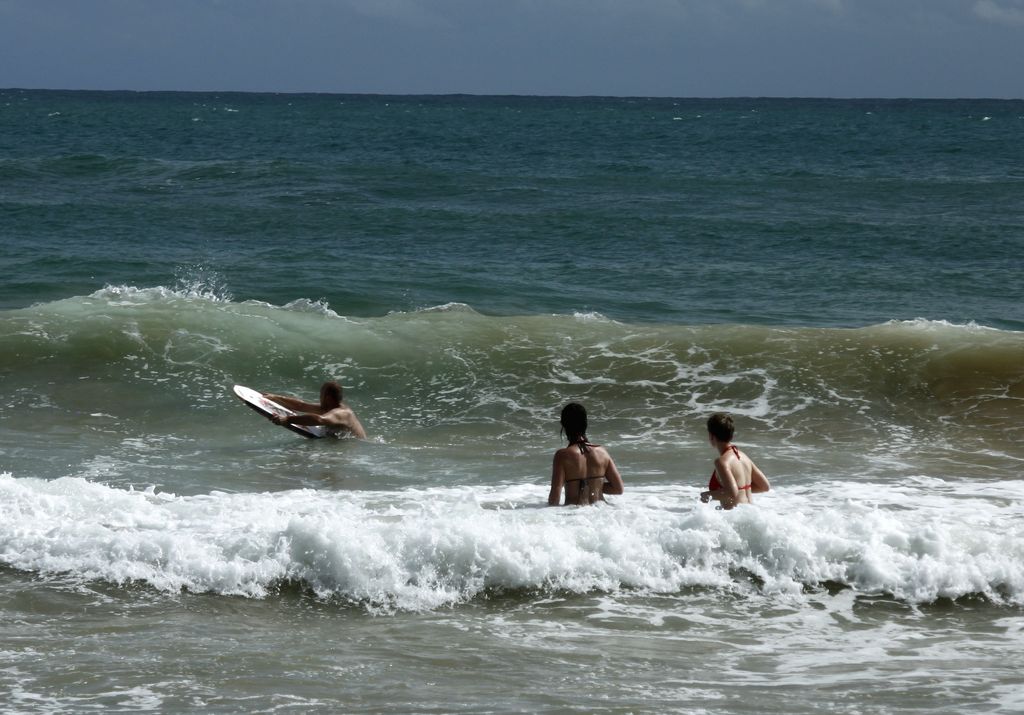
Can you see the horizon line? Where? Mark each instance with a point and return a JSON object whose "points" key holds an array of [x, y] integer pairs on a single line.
{"points": [[513, 95]]}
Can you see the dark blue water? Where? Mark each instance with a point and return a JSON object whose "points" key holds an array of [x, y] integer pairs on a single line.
{"points": [[807, 212]]}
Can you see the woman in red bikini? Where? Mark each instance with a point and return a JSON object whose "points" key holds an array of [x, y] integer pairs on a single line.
{"points": [[586, 471], [735, 475]]}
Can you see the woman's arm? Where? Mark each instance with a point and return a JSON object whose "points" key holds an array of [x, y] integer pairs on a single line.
{"points": [[557, 482], [758, 481], [612, 479]]}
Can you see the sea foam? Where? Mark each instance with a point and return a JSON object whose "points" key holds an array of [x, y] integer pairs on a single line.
{"points": [[426, 549]]}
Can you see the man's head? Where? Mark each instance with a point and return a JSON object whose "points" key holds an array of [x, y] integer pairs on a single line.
{"points": [[720, 427], [330, 395]]}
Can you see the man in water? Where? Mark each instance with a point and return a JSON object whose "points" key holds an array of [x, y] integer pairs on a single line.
{"points": [[331, 413]]}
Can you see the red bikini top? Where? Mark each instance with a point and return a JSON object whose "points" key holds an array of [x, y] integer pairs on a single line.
{"points": [[714, 484]]}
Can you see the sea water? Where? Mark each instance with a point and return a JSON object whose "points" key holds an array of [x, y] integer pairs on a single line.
{"points": [[844, 277]]}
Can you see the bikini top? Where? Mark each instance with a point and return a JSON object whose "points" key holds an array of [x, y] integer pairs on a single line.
{"points": [[582, 444], [585, 479], [584, 488], [584, 447], [714, 484]]}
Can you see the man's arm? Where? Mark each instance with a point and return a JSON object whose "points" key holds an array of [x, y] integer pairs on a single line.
{"points": [[341, 417], [306, 418], [293, 403]]}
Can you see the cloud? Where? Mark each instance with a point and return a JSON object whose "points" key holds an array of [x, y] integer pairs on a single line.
{"points": [[994, 12]]}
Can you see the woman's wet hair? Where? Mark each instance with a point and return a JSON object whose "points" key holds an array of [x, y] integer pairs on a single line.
{"points": [[720, 427], [574, 421]]}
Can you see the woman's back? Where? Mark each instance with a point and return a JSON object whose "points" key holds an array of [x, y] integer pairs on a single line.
{"points": [[740, 468], [735, 475], [584, 473]]}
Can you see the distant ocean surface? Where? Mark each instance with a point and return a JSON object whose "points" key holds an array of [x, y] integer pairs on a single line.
{"points": [[846, 277]]}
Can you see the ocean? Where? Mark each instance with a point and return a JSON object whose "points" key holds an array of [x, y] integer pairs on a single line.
{"points": [[843, 276]]}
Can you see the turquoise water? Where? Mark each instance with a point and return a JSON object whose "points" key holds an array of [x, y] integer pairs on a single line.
{"points": [[843, 276]]}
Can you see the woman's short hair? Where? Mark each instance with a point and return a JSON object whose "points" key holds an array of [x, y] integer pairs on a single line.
{"points": [[720, 427]]}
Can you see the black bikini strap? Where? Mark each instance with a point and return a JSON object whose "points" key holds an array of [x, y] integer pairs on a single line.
{"points": [[582, 443]]}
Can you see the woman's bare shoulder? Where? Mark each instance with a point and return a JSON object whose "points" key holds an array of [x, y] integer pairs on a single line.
{"points": [[563, 452]]}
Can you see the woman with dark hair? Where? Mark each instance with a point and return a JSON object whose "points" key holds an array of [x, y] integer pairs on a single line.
{"points": [[735, 476], [586, 471]]}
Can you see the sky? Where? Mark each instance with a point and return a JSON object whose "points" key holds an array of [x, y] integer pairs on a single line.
{"points": [[654, 48]]}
